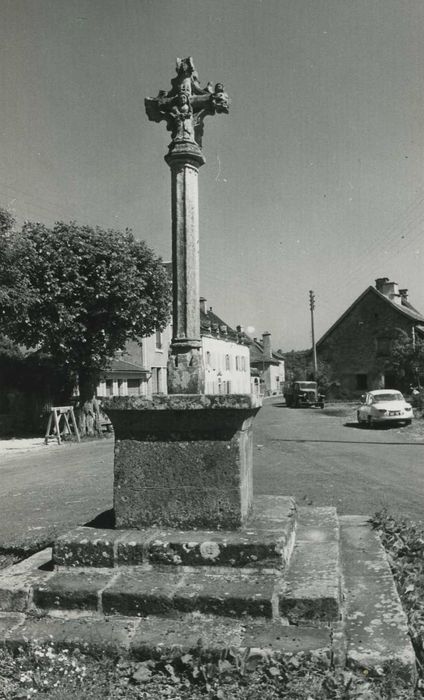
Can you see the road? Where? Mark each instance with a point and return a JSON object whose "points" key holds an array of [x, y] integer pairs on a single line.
{"points": [[51, 489], [327, 460], [318, 458]]}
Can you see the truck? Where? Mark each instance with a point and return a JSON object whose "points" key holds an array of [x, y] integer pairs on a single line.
{"points": [[299, 394]]}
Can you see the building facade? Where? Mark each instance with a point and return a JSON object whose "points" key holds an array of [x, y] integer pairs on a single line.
{"points": [[141, 370], [357, 346], [267, 367]]}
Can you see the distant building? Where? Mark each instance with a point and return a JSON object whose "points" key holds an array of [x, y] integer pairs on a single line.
{"points": [[227, 361], [357, 346], [142, 369], [267, 366]]}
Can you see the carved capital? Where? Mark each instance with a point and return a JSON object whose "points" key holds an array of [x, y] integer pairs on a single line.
{"points": [[186, 105]]}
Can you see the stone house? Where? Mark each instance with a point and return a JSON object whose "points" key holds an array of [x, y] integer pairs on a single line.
{"points": [[267, 367], [142, 369], [357, 346], [139, 371]]}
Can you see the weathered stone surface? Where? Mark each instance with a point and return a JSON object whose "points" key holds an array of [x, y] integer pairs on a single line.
{"points": [[289, 639], [181, 402], [71, 590], [141, 593], [376, 625], [157, 637], [311, 589], [132, 547], [223, 548], [16, 581], [182, 460], [92, 635], [263, 540], [318, 525], [86, 546], [275, 508], [233, 594]]}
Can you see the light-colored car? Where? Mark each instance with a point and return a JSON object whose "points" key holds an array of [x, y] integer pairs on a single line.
{"points": [[384, 406]]}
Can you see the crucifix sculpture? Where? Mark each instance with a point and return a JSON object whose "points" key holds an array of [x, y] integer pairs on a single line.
{"points": [[184, 109]]}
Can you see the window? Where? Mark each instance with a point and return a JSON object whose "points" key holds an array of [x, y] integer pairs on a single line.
{"points": [[227, 362], [243, 364], [361, 381], [158, 340], [109, 387], [208, 359], [155, 380], [237, 362]]}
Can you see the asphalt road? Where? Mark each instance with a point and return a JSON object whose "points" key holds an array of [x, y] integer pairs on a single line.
{"points": [[318, 458], [326, 459], [49, 490]]}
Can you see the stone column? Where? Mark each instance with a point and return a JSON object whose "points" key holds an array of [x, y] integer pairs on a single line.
{"points": [[183, 109], [185, 366]]}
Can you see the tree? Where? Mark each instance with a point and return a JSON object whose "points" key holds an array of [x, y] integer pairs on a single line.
{"points": [[79, 294], [7, 221], [407, 359]]}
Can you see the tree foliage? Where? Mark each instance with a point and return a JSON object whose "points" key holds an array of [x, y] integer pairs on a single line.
{"points": [[79, 294], [7, 221], [407, 359]]}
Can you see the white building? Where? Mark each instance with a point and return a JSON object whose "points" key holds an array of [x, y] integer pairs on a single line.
{"points": [[268, 368], [227, 362], [142, 369]]}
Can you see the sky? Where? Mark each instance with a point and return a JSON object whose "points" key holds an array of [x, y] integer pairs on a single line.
{"points": [[313, 181]]}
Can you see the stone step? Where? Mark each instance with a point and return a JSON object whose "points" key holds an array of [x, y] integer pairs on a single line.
{"points": [[375, 622], [311, 589], [143, 591], [159, 637], [265, 540]]}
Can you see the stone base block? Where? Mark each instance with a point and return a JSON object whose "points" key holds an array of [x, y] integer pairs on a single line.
{"points": [[183, 461], [265, 540]]}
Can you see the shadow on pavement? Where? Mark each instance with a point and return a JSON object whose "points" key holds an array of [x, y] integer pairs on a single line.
{"points": [[104, 520]]}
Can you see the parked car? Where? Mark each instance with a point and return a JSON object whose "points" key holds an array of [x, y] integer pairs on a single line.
{"points": [[303, 395], [384, 406]]}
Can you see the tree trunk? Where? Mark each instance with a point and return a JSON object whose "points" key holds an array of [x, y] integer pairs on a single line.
{"points": [[87, 411]]}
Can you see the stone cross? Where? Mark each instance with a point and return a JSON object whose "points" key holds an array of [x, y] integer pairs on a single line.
{"points": [[184, 108]]}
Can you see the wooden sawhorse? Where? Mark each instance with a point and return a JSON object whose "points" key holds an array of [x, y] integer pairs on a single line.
{"points": [[53, 426]]}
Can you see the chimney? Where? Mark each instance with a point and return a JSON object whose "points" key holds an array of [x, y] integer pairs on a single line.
{"points": [[380, 282], [203, 307], [403, 295], [266, 339], [391, 290]]}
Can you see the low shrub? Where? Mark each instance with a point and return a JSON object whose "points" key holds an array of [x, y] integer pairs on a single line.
{"points": [[404, 544]]}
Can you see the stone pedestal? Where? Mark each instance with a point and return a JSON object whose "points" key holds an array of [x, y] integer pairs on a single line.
{"points": [[183, 461]]}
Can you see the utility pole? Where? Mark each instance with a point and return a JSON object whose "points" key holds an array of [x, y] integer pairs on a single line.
{"points": [[314, 350]]}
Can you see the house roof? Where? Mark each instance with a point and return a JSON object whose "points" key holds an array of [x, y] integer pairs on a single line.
{"points": [[257, 353], [128, 368], [404, 308], [211, 324]]}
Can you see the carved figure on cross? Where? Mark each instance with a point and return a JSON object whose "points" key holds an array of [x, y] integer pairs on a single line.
{"points": [[186, 105]]}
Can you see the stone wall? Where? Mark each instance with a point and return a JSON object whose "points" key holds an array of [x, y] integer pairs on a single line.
{"points": [[360, 344]]}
